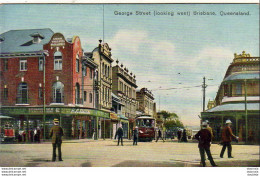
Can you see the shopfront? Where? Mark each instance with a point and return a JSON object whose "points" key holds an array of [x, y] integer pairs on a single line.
{"points": [[77, 122]]}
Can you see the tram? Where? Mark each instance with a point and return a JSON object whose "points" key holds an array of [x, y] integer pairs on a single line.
{"points": [[7, 132], [146, 127]]}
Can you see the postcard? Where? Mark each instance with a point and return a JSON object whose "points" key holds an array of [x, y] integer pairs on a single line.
{"points": [[172, 86]]}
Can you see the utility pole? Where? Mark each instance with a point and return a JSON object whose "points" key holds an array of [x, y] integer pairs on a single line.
{"points": [[246, 111], [204, 92]]}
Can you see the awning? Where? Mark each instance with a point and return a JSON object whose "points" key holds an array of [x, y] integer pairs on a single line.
{"points": [[123, 117], [242, 76], [235, 107]]}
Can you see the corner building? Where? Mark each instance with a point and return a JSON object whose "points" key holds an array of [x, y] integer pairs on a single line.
{"points": [[44, 76], [238, 100]]}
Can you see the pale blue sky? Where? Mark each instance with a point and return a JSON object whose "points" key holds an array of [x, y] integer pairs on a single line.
{"points": [[155, 48]]}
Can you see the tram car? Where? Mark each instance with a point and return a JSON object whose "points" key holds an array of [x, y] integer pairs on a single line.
{"points": [[146, 128], [7, 132]]}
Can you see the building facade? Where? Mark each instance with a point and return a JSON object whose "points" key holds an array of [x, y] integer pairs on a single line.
{"points": [[146, 102], [124, 87], [238, 100], [45, 76], [103, 58]]}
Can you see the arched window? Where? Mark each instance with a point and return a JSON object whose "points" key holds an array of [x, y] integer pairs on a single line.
{"points": [[90, 97], [77, 63], [22, 95], [58, 92], [77, 94], [57, 61]]}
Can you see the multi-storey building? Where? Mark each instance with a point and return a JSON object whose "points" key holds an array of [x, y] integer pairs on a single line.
{"points": [[146, 104], [238, 100], [44, 76], [102, 57], [124, 86]]}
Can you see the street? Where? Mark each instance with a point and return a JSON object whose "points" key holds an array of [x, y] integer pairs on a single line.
{"points": [[106, 153]]}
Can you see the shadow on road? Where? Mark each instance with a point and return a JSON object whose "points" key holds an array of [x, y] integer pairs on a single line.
{"points": [[35, 162]]}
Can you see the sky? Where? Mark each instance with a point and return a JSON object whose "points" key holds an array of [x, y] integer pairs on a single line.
{"points": [[163, 51]]}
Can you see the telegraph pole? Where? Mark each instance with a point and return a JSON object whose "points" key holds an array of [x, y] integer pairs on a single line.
{"points": [[246, 118], [204, 92]]}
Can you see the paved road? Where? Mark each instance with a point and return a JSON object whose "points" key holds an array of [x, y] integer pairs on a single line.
{"points": [[105, 153]]}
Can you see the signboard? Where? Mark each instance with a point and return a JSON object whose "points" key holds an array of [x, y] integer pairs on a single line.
{"points": [[57, 40], [54, 110]]}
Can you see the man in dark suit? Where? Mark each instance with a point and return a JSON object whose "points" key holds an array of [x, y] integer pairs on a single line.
{"points": [[56, 134], [204, 138], [159, 135], [135, 135], [120, 134], [227, 136]]}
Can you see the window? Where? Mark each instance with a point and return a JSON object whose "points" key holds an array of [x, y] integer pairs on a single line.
{"points": [[103, 68], [40, 64], [5, 93], [22, 95], [84, 69], [77, 63], [23, 64], [77, 94], [90, 97], [57, 61], [108, 72], [40, 93], [5, 64], [85, 96], [58, 92], [239, 89]]}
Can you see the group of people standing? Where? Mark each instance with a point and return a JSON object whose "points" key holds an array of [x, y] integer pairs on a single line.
{"points": [[205, 136], [34, 135], [182, 136]]}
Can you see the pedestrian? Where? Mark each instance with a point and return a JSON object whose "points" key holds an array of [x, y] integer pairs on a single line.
{"points": [[159, 135], [204, 138], [56, 134], [179, 133], [227, 136], [184, 136], [135, 135], [119, 134]]}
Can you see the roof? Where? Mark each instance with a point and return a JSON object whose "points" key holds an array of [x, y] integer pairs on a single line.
{"points": [[144, 117], [235, 107], [17, 41], [242, 76]]}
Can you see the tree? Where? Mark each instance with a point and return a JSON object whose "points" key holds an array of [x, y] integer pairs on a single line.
{"points": [[173, 124], [168, 115]]}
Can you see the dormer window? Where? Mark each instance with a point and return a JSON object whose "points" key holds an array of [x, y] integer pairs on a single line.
{"points": [[37, 38], [2, 39]]}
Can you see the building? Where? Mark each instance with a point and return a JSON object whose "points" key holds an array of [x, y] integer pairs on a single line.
{"points": [[146, 104], [124, 87], [103, 58], [238, 100], [45, 76]]}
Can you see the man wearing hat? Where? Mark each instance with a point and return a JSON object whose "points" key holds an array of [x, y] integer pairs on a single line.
{"points": [[135, 135], [226, 139], [204, 138], [56, 134]]}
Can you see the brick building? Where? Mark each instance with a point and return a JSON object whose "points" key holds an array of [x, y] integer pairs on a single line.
{"points": [[45, 76]]}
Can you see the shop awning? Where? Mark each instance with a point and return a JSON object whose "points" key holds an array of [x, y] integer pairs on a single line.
{"points": [[123, 117], [235, 107]]}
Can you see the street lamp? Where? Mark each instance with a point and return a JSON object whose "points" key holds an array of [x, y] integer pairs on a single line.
{"points": [[44, 53]]}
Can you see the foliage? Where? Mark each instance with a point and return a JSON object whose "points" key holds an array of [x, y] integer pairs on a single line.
{"points": [[168, 115], [173, 123]]}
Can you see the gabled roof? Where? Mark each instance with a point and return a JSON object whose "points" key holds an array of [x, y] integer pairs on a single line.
{"points": [[20, 41]]}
